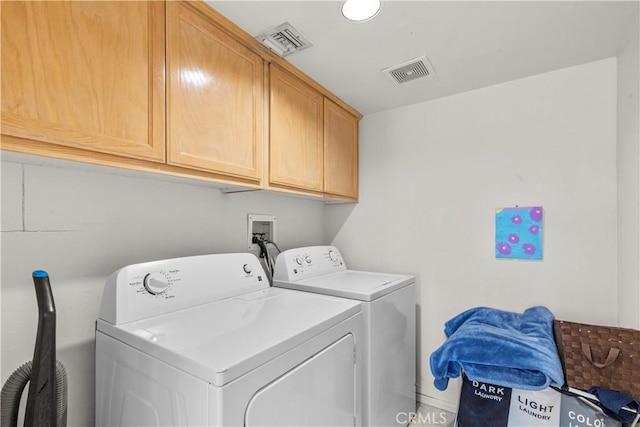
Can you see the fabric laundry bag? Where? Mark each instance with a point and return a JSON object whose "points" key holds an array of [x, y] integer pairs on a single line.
{"points": [[488, 405]]}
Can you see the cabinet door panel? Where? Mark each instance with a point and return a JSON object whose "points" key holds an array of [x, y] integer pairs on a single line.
{"points": [[85, 74], [296, 146], [340, 151], [216, 99]]}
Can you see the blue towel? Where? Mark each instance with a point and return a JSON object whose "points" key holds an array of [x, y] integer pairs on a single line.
{"points": [[500, 347], [612, 403]]}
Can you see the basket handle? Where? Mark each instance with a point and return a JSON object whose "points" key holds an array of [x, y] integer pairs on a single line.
{"points": [[611, 357]]}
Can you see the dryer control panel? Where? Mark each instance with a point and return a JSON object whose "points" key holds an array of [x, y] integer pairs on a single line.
{"points": [[311, 261], [148, 289]]}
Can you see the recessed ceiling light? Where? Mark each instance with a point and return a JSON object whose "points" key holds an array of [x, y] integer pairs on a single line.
{"points": [[360, 10]]}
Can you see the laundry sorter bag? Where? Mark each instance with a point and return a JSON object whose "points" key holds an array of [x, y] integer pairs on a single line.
{"points": [[488, 405]]}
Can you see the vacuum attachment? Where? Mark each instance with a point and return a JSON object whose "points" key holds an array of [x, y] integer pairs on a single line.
{"points": [[47, 378], [41, 400]]}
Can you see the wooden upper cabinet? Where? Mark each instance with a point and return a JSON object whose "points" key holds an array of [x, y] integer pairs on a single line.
{"points": [[340, 151], [85, 74], [215, 96], [296, 142], [171, 87]]}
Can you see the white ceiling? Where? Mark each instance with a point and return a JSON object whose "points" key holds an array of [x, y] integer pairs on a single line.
{"points": [[471, 44]]}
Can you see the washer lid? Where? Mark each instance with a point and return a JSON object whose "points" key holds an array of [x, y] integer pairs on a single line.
{"points": [[219, 342], [359, 285]]}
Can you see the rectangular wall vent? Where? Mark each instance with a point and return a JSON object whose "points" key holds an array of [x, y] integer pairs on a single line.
{"points": [[284, 40], [410, 70]]}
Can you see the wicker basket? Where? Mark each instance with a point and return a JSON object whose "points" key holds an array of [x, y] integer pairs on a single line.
{"points": [[599, 356]]}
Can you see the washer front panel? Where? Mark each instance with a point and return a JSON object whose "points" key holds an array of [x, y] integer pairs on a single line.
{"points": [[318, 392]]}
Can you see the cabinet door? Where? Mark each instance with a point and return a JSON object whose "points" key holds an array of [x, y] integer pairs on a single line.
{"points": [[85, 74], [215, 97], [296, 145], [340, 151]]}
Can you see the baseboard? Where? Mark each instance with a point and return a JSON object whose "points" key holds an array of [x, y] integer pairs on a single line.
{"points": [[437, 403]]}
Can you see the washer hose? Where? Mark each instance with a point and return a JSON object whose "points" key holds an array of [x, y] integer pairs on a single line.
{"points": [[14, 386]]}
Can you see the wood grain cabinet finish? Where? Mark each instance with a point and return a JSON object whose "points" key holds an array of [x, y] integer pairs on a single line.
{"points": [[215, 97], [296, 135], [85, 74], [169, 87], [340, 151]]}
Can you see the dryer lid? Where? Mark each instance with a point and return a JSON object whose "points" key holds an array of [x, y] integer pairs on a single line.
{"points": [[221, 341], [353, 284]]}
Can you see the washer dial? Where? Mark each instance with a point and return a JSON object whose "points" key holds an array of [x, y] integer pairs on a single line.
{"points": [[156, 283], [333, 256]]}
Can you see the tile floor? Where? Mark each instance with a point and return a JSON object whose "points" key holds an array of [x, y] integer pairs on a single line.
{"points": [[429, 416]]}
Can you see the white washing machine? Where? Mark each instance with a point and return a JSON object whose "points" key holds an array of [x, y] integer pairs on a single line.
{"points": [[388, 308], [204, 341]]}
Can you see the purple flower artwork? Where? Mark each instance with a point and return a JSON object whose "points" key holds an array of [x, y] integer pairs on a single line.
{"points": [[519, 233]]}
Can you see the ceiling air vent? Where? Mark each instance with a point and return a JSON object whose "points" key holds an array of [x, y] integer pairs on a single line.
{"points": [[284, 40], [411, 70]]}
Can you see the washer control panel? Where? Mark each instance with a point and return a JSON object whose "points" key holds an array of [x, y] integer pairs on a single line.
{"points": [[310, 261], [150, 289], [157, 283]]}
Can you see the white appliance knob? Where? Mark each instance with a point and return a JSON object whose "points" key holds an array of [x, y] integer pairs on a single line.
{"points": [[156, 283], [247, 268], [333, 256], [299, 260], [308, 259]]}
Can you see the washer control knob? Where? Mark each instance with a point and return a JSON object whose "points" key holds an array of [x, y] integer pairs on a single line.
{"points": [[247, 268], [298, 260], [156, 283], [333, 256], [307, 258]]}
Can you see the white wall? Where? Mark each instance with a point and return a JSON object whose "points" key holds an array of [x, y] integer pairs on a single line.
{"points": [[81, 225], [432, 175], [629, 180]]}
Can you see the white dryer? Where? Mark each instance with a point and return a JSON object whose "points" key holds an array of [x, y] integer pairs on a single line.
{"points": [[204, 341], [388, 308]]}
